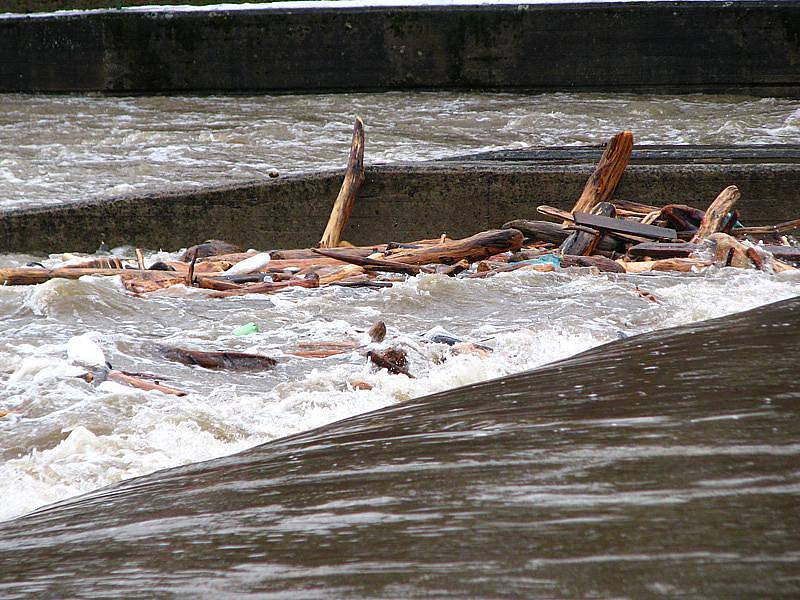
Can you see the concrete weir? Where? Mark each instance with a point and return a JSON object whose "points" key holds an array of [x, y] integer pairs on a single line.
{"points": [[670, 47], [411, 200]]}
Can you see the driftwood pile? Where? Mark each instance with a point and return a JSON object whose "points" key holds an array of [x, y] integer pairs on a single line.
{"points": [[600, 232]]}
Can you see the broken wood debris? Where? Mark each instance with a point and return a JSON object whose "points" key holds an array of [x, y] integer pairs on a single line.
{"points": [[600, 233]]}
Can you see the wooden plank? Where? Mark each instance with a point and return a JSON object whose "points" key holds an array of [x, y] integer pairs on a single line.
{"points": [[627, 227], [663, 249], [583, 241]]}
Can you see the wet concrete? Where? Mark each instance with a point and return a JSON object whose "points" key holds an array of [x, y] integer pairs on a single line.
{"points": [[666, 47], [407, 201]]}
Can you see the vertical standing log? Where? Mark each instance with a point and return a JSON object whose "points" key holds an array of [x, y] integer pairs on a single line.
{"points": [[582, 242], [717, 213], [606, 176], [353, 178]]}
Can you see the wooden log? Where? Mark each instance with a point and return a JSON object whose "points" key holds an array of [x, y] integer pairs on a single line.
{"points": [[663, 249], [235, 361], [220, 285], [717, 213], [602, 183], [34, 275], [556, 213], [322, 349], [624, 227], [635, 208], [308, 253], [103, 262], [393, 360], [666, 264], [600, 262], [353, 178], [473, 248], [790, 253], [140, 259], [209, 248], [683, 217], [369, 284], [364, 261], [767, 229], [269, 287], [584, 243], [450, 270], [148, 386], [729, 252], [545, 231], [336, 274]]}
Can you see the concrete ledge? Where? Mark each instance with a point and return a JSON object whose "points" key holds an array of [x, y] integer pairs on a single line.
{"points": [[410, 201], [742, 47]]}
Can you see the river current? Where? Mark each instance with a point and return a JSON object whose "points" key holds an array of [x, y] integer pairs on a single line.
{"points": [[63, 436]]}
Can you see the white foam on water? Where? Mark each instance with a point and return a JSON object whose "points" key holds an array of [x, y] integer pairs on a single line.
{"points": [[68, 437]]}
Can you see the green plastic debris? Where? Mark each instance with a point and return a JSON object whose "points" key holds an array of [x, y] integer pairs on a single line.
{"points": [[246, 329], [544, 259]]}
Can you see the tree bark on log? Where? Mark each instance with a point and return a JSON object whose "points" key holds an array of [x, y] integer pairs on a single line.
{"points": [[353, 178], [717, 213], [584, 243], [606, 176], [474, 248]]}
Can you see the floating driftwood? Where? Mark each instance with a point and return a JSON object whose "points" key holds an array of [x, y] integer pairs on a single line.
{"points": [[234, 361]]}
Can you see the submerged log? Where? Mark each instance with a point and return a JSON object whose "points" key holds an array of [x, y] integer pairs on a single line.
{"points": [[322, 349], [353, 178], [393, 360], [582, 242], [717, 214], [142, 384], [237, 361], [602, 183], [474, 248]]}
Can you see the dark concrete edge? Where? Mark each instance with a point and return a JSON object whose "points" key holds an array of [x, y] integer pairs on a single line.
{"points": [[278, 8]]}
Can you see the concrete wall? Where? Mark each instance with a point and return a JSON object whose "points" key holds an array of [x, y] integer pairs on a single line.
{"points": [[667, 46], [410, 201]]}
